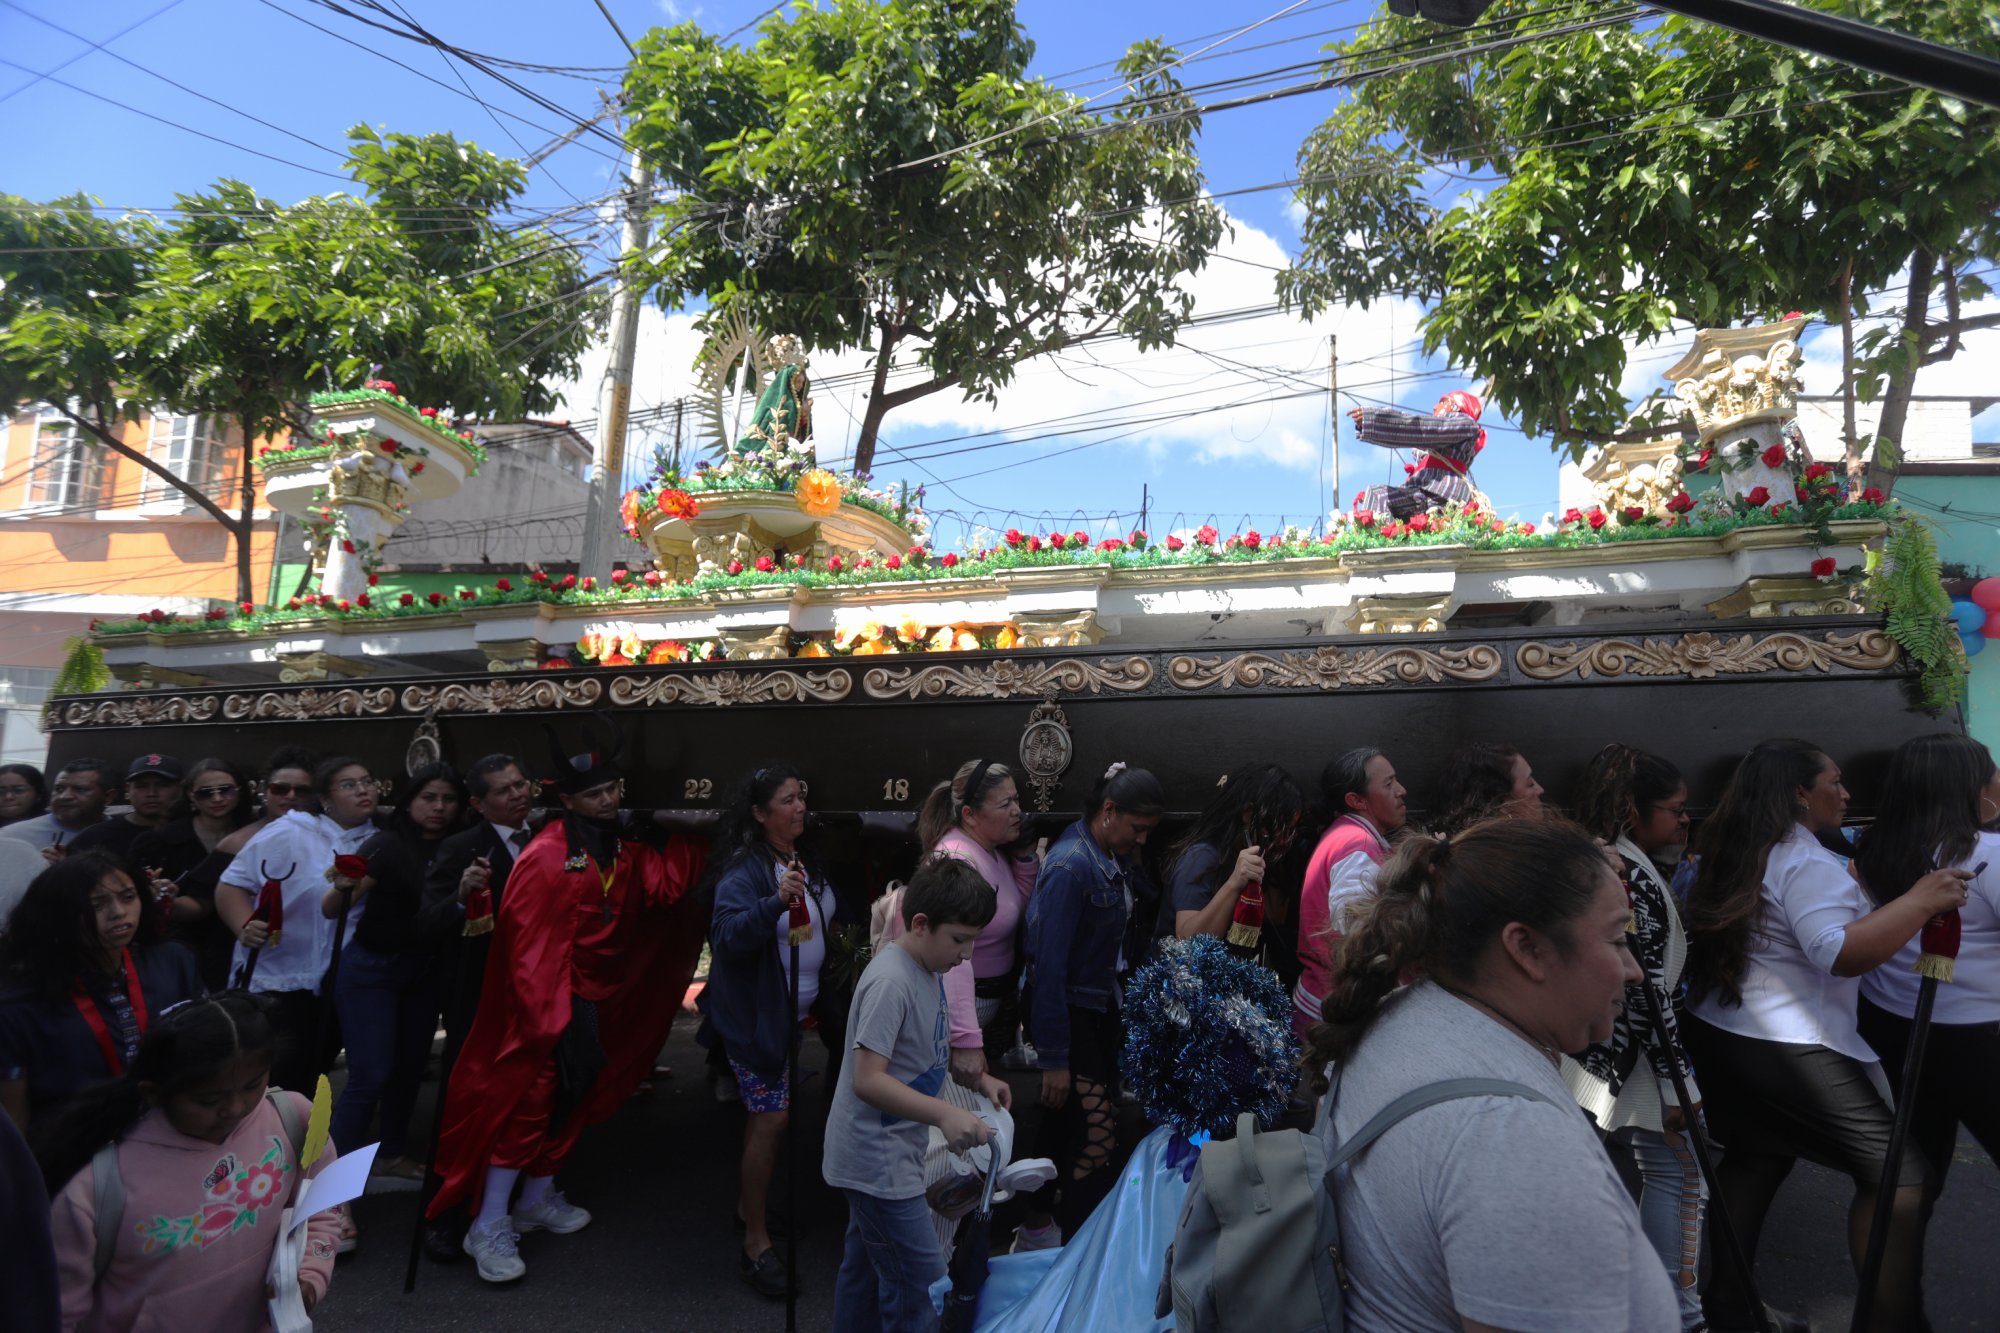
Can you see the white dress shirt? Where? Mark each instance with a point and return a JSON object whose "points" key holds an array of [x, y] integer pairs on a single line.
{"points": [[1973, 993]]}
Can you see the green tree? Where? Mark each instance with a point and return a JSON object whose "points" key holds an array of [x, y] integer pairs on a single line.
{"points": [[1643, 174], [803, 193], [240, 307]]}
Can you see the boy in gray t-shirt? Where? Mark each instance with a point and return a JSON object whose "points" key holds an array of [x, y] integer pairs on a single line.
{"points": [[887, 1095]]}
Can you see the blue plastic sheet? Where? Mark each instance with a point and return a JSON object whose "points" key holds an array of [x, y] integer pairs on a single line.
{"points": [[1106, 1278]]}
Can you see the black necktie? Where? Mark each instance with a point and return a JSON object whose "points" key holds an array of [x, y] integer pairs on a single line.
{"points": [[519, 839]]}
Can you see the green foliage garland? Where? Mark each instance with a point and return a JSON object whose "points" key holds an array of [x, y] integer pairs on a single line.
{"points": [[1908, 587]]}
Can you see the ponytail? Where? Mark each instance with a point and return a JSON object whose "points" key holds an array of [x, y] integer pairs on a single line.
{"points": [[1439, 906], [1131, 790], [944, 808]]}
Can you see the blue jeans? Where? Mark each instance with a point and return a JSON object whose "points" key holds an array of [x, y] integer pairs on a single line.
{"points": [[1673, 1204], [891, 1261], [388, 1015]]}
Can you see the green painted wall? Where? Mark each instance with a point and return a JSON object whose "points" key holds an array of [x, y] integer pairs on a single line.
{"points": [[1966, 510]]}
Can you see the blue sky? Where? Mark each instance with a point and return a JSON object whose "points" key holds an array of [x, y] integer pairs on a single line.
{"points": [[1259, 463]]}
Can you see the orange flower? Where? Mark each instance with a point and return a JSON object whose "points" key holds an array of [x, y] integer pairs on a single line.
{"points": [[911, 630], [666, 650], [628, 511], [1008, 637], [813, 648], [586, 646], [869, 648], [817, 492], [614, 659], [675, 503]]}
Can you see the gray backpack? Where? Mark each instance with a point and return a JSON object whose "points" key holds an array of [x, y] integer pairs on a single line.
{"points": [[1260, 1227], [107, 1182]]}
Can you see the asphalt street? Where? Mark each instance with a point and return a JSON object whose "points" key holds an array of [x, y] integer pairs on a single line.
{"points": [[661, 1252]]}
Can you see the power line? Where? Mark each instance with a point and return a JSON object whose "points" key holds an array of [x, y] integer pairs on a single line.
{"points": [[81, 54]]}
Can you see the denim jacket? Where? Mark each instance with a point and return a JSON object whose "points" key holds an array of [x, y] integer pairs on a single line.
{"points": [[743, 1005], [1076, 926]]}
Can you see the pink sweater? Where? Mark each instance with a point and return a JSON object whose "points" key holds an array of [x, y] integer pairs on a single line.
{"points": [[1342, 868], [195, 1241], [993, 951]]}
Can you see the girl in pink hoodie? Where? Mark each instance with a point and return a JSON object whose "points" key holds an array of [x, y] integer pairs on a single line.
{"points": [[208, 1163]]}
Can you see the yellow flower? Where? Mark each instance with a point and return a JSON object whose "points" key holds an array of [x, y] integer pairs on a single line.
{"points": [[817, 492], [843, 637], [870, 629], [869, 648], [631, 646], [941, 641], [911, 630], [1008, 637], [813, 648], [966, 641]]}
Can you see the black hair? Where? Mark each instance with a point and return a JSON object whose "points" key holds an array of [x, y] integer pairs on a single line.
{"points": [[1438, 908], [1726, 906], [478, 777], [239, 814], [946, 891], [739, 832], [1265, 792], [437, 771], [106, 774], [291, 756], [1619, 785], [1133, 791], [329, 769], [1929, 816], [51, 936], [1478, 782], [33, 777], [944, 808], [1344, 776], [185, 1046]]}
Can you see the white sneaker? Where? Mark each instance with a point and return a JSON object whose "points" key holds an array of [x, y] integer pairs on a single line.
{"points": [[552, 1213], [493, 1247]]}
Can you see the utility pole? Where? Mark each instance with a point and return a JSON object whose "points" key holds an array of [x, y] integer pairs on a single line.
{"points": [[1145, 503], [614, 399], [1333, 415]]}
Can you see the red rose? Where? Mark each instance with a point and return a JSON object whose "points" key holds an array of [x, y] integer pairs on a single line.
{"points": [[1419, 523], [1873, 496], [1034, 545], [1774, 456], [590, 584], [765, 564], [1137, 539], [569, 581], [1795, 314], [1205, 535], [427, 412], [435, 599], [1701, 460], [1758, 498], [1818, 470], [347, 546], [407, 599], [1014, 537], [1527, 529], [893, 562], [735, 566], [1364, 518], [950, 560], [263, 451], [388, 446], [652, 578], [503, 585], [1498, 524], [1232, 543], [833, 565], [374, 579], [1174, 543], [1359, 496], [363, 602], [1253, 539], [1681, 503], [292, 604], [1799, 494], [1778, 511], [1392, 529], [416, 467], [343, 606], [217, 614], [351, 866], [537, 576], [245, 607], [1597, 518], [1080, 537], [1632, 513], [467, 594], [1823, 568], [1572, 516], [1057, 541]]}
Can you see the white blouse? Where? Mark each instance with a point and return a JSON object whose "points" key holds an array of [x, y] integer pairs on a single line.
{"points": [[1790, 993], [1973, 993]]}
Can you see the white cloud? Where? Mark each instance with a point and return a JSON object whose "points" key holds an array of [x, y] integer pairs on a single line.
{"points": [[676, 13], [1295, 213]]}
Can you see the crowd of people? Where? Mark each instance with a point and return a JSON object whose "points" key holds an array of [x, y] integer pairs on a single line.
{"points": [[182, 941]]}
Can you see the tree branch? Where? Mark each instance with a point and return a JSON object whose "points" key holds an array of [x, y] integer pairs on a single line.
{"points": [[124, 450]]}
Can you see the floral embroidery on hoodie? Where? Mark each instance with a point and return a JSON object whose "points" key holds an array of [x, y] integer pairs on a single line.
{"points": [[233, 1197]]}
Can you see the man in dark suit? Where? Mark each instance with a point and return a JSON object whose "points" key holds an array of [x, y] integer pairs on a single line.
{"points": [[471, 867]]}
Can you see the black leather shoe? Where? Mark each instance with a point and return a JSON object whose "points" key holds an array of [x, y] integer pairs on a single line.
{"points": [[767, 1274]]}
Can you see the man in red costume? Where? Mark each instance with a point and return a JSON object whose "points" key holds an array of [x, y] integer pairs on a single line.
{"points": [[594, 945]]}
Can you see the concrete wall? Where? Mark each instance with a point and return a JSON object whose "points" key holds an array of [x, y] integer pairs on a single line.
{"points": [[1966, 512], [526, 505]]}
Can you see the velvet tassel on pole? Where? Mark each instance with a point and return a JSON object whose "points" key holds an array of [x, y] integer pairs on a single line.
{"points": [[801, 911], [1246, 923], [1938, 943], [270, 909]]}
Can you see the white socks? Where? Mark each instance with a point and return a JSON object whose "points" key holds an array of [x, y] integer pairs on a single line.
{"points": [[496, 1204], [535, 1189]]}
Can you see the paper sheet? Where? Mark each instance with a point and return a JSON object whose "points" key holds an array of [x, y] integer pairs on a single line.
{"points": [[345, 1179]]}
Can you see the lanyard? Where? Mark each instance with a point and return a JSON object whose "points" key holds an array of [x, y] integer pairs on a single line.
{"points": [[86, 1004]]}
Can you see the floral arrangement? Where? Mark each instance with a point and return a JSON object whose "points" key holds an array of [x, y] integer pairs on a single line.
{"points": [[618, 646], [874, 638], [669, 500], [384, 391], [785, 466]]}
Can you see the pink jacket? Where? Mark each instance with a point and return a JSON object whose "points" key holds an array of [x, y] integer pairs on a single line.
{"points": [[1342, 869], [196, 1237], [993, 951]]}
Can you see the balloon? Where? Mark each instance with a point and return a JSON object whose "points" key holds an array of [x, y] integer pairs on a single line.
{"points": [[1991, 629], [1986, 592], [1971, 616], [1972, 643]]}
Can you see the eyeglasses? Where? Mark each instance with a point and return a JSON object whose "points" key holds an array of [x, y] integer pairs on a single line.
{"points": [[211, 793], [1677, 811], [355, 784], [285, 788]]}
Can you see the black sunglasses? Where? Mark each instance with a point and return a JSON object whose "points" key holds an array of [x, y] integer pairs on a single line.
{"points": [[285, 788]]}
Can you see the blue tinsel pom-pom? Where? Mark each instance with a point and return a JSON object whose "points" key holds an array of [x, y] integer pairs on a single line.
{"points": [[1208, 1036]]}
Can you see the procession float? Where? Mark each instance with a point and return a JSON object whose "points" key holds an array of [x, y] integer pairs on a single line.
{"points": [[1725, 586]]}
